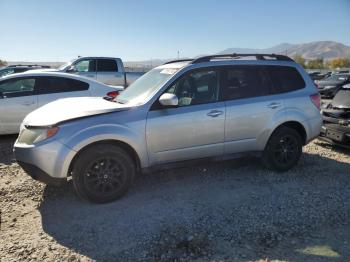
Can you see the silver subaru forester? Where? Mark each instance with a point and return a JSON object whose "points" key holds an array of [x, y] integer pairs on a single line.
{"points": [[212, 107]]}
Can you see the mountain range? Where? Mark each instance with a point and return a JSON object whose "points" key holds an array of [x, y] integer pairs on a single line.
{"points": [[319, 49], [312, 50]]}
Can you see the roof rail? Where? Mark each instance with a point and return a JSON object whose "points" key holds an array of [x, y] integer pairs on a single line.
{"points": [[237, 56], [179, 60]]}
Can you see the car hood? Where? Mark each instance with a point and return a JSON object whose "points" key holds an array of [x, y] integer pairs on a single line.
{"points": [[342, 99], [70, 108]]}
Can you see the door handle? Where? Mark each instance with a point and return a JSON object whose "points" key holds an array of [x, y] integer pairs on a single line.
{"points": [[274, 105], [28, 103], [215, 113], [90, 75]]}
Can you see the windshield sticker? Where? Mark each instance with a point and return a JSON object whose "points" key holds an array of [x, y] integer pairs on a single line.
{"points": [[168, 71]]}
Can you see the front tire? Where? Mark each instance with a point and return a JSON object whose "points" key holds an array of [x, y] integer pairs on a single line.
{"points": [[283, 150], [103, 173]]}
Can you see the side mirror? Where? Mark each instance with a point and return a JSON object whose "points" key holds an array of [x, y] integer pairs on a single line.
{"points": [[70, 69], [169, 100]]}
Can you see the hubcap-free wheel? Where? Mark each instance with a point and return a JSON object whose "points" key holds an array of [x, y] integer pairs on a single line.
{"points": [[286, 150], [103, 173], [283, 149], [104, 176]]}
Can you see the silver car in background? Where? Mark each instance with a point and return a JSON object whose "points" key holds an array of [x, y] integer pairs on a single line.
{"points": [[213, 107], [107, 70], [22, 93]]}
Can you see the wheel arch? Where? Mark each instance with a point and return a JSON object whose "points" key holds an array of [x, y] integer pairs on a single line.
{"points": [[297, 126], [125, 146]]}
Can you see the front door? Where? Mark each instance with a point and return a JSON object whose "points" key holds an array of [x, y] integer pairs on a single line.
{"points": [[85, 67], [194, 129], [17, 99]]}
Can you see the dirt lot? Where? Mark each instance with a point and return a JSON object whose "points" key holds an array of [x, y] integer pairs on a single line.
{"points": [[228, 211]]}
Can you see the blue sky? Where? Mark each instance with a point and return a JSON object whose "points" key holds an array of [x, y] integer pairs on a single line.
{"points": [[39, 30]]}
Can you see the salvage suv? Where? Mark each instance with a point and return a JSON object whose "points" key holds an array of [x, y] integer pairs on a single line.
{"points": [[213, 107]]}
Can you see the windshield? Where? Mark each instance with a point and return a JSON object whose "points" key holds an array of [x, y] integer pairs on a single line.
{"points": [[338, 77], [145, 86], [62, 67]]}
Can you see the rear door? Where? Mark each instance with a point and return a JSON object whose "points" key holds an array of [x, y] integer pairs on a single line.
{"points": [[109, 73], [17, 99], [51, 88], [249, 107]]}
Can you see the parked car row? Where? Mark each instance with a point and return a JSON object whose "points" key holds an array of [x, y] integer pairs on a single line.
{"points": [[317, 75], [336, 119], [213, 107], [107, 70], [22, 93], [329, 86]]}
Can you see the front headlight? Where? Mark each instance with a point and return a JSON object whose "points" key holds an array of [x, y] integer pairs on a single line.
{"points": [[31, 136], [328, 87]]}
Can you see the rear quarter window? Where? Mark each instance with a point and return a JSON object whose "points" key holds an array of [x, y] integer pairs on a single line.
{"points": [[285, 79]]}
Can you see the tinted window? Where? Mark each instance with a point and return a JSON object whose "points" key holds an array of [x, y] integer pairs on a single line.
{"points": [[88, 65], [20, 70], [244, 81], [195, 88], [107, 65], [285, 79], [47, 85], [17, 87], [6, 72]]}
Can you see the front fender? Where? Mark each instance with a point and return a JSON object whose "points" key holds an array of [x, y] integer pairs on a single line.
{"points": [[131, 136]]}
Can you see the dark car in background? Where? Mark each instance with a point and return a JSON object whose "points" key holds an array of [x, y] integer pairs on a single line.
{"points": [[13, 69], [316, 75], [336, 119], [331, 85]]}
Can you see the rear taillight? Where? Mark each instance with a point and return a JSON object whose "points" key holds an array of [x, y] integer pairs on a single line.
{"points": [[316, 100], [113, 94]]}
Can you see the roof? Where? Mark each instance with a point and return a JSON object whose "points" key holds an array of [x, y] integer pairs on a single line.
{"points": [[45, 73]]}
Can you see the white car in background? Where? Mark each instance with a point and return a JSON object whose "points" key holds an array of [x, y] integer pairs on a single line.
{"points": [[22, 93]]}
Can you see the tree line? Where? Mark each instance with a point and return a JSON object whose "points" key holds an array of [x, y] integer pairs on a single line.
{"points": [[320, 63], [2, 63]]}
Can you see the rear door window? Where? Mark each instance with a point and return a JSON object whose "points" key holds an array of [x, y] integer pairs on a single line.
{"points": [[244, 82], [48, 85], [285, 79], [107, 65]]}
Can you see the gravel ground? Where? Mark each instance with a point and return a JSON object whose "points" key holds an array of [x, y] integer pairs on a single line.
{"points": [[223, 211]]}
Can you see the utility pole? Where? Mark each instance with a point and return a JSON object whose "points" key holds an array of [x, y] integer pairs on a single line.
{"points": [[178, 55]]}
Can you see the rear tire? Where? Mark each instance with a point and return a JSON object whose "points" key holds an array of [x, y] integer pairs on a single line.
{"points": [[283, 150], [103, 173]]}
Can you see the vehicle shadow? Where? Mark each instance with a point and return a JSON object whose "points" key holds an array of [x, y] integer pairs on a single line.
{"points": [[6, 149], [235, 203]]}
